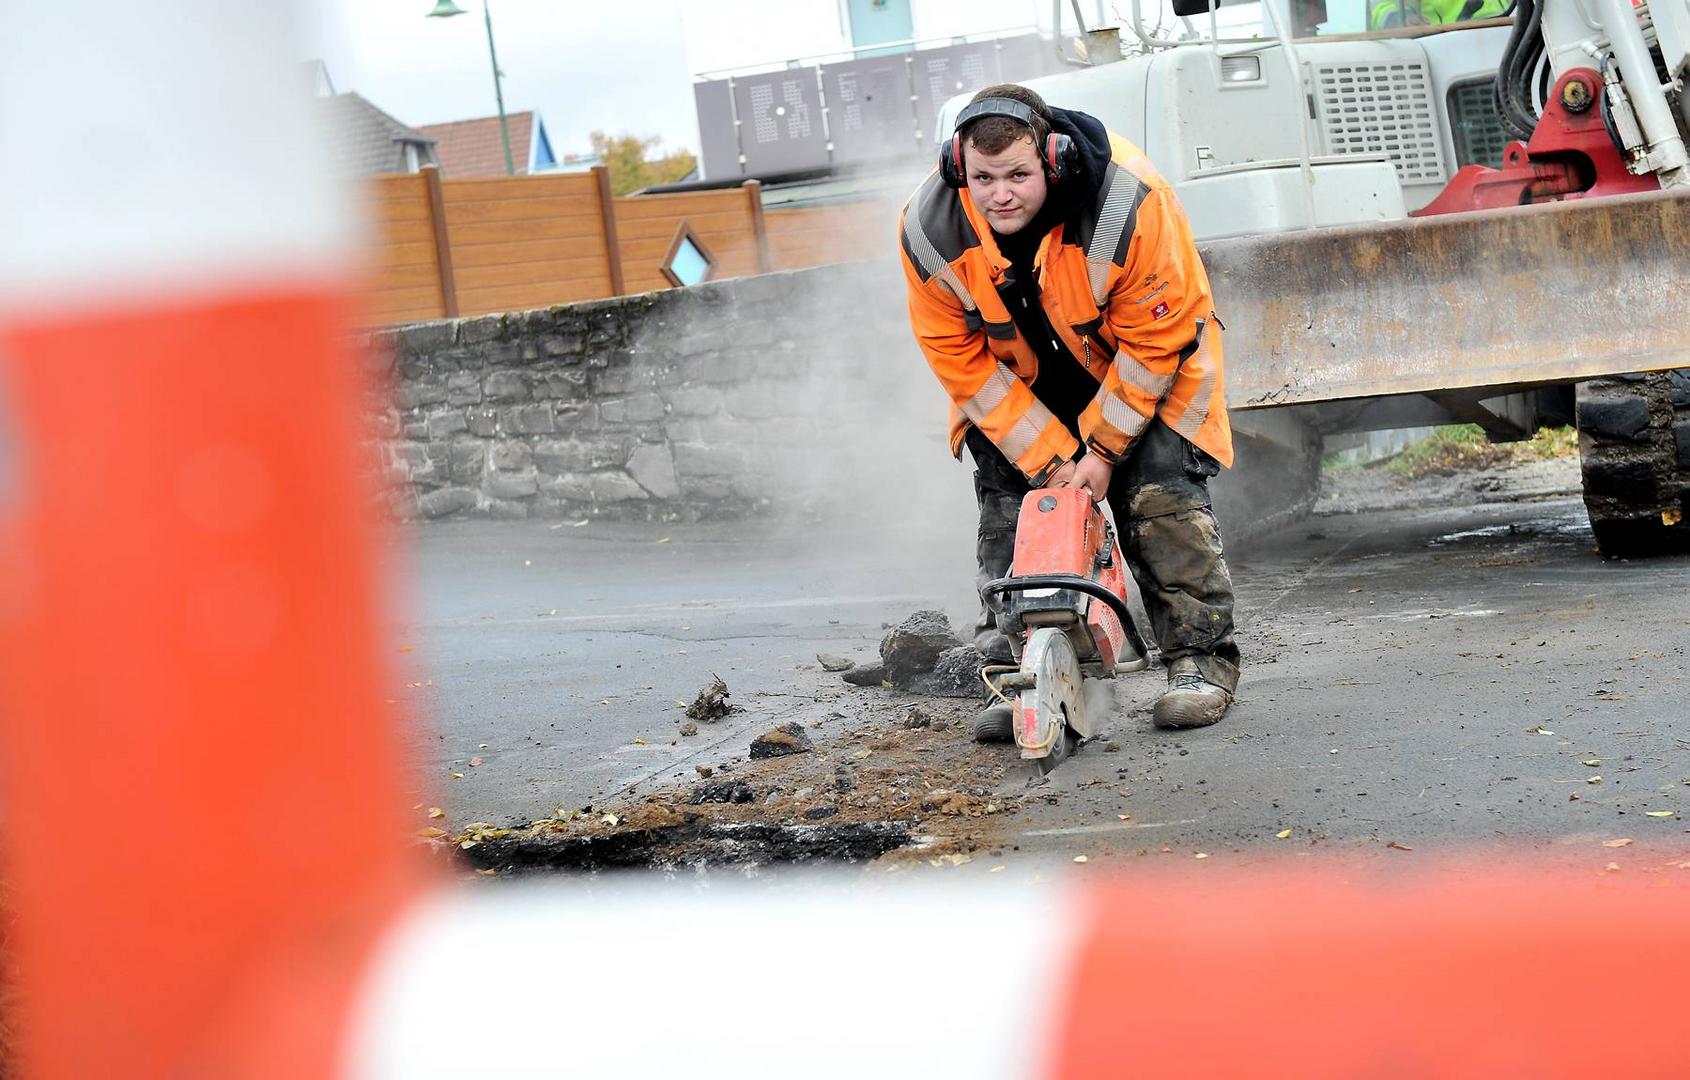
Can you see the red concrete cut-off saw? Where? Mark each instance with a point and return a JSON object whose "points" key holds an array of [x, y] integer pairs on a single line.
{"points": [[1064, 608]]}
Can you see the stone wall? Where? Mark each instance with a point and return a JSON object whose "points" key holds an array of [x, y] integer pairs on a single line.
{"points": [[798, 392], [704, 402]]}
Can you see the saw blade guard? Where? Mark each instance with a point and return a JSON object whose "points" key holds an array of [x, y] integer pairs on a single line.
{"points": [[1054, 703]]}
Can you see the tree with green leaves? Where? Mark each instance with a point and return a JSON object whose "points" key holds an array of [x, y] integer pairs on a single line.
{"points": [[634, 162]]}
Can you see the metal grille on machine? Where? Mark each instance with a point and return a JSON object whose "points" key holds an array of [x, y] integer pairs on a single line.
{"points": [[1475, 124], [1382, 108]]}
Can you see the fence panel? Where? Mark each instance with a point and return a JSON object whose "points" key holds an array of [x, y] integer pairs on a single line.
{"points": [[472, 247], [403, 262], [818, 235], [724, 221], [527, 242]]}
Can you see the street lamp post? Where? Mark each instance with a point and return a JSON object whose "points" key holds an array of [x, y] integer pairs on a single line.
{"points": [[445, 9]]}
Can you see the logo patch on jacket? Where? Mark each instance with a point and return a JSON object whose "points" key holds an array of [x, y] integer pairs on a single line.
{"points": [[1159, 310]]}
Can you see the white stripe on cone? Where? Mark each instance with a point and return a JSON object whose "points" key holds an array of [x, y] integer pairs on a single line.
{"points": [[155, 148], [632, 980]]}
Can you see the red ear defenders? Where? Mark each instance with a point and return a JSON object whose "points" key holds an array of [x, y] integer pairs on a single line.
{"points": [[1061, 155]]}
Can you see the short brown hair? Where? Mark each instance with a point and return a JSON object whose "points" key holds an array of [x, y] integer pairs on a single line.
{"points": [[994, 134]]}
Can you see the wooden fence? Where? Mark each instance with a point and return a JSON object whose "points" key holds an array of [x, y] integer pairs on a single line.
{"points": [[443, 248]]}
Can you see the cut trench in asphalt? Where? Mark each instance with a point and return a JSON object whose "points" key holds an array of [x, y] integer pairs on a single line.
{"points": [[744, 845]]}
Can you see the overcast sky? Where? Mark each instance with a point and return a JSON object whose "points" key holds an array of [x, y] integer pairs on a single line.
{"points": [[586, 65]]}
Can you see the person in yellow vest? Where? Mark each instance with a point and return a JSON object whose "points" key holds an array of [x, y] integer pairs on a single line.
{"points": [[1390, 14], [1056, 292]]}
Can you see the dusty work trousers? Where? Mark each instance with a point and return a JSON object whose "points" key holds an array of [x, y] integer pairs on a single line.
{"points": [[1159, 495]]}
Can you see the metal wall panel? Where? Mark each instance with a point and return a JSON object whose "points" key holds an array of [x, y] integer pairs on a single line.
{"points": [[1028, 57], [869, 113], [780, 121], [716, 135], [941, 74]]}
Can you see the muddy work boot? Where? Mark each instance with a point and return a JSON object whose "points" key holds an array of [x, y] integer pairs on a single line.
{"points": [[1190, 701], [994, 724]]}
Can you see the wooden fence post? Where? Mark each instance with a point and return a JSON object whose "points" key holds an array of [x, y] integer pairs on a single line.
{"points": [[759, 227], [607, 212], [442, 242]]}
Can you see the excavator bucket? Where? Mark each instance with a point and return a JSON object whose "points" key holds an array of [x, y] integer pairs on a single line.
{"points": [[1491, 301]]}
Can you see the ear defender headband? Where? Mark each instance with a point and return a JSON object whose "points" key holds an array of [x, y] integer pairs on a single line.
{"points": [[1060, 154]]}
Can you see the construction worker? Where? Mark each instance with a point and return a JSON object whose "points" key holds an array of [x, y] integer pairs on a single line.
{"points": [[1057, 294], [1390, 14]]}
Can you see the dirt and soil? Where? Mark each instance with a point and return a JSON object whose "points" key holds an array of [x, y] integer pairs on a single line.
{"points": [[904, 767]]}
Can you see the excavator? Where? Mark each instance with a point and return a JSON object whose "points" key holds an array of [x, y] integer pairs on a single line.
{"points": [[1481, 220]]}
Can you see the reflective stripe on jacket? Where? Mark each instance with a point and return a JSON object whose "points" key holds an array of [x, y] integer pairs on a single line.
{"points": [[1127, 295]]}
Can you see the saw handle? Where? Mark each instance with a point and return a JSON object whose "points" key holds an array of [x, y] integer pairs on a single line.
{"points": [[992, 593]]}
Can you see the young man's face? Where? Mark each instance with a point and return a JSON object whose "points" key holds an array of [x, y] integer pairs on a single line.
{"points": [[1008, 187]]}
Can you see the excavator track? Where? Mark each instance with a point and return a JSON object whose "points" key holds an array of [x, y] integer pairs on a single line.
{"points": [[1634, 451]]}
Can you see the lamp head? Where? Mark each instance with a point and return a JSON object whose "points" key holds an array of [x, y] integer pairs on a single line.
{"points": [[445, 9]]}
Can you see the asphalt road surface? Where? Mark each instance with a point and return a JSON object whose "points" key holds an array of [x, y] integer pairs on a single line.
{"points": [[1459, 672]]}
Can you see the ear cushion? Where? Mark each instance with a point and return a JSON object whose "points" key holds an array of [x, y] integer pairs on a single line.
{"points": [[950, 162], [1062, 157]]}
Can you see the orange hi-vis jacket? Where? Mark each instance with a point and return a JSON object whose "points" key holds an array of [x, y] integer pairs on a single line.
{"points": [[1127, 295]]}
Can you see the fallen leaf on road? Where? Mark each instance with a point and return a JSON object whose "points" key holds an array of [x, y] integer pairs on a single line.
{"points": [[1613, 867], [665, 540], [995, 870], [680, 704], [1621, 841], [1592, 762], [610, 819], [1282, 834], [1657, 813], [1201, 855], [431, 833], [638, 741], [1081, 858], [1538, 729], [1593, 780], [436, 812], [861, 754], [956, 859], [1394, 845], [578, 524], [467, 844], [1125, 817], [407, 648], [475, 761], [457, 776]]}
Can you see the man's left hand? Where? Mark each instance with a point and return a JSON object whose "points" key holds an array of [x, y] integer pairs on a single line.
{"points": [[1092, 473]]}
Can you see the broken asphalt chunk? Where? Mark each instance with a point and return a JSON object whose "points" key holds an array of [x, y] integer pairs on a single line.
{"points": [[711, 703], [789, 738], [955, 674], [914, 645], [830, 662], [723, 791], [870, 674]]}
